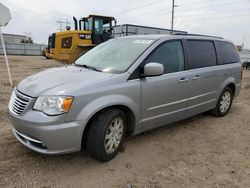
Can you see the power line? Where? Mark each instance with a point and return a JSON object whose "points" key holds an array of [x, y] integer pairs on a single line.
{"points": [[187, 16], [212, 18], [155, 2], [148, 13], [197, 2], [146, 22], [221, 12], [163, 11], [188, 19], [143, 14], [139, 7], [212, 6]]}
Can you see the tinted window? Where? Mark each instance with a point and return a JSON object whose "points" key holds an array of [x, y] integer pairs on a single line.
{"points": [[170, 55], [98, 26], [201, 54], [228, 53], [66, 42]]}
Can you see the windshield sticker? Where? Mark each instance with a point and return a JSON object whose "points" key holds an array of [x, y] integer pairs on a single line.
{"points": [[143, 41]]}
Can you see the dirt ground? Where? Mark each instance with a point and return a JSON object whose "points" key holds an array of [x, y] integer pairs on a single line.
{"points": [[203, 151]]}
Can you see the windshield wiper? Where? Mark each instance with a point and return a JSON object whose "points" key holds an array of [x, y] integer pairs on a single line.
{"points": [[89, 67]]}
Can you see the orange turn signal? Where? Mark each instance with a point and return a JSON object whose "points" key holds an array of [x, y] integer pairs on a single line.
{"points": [[67, 103]]}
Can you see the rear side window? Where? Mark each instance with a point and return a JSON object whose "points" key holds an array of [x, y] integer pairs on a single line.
{"points": [[201, 54], [227, 52]]}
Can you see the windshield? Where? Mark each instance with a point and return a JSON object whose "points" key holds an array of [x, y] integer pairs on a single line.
{"points": [[116, 55]]}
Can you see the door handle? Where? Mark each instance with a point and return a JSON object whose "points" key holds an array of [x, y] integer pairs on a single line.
{"points": [[183, 80], [195, 77]]}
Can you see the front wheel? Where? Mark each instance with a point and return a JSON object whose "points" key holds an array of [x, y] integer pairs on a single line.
{"points": [[106, 134], [224, 103]]}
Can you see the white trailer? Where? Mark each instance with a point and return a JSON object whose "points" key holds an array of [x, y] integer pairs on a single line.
{"points": [[129, 29]]}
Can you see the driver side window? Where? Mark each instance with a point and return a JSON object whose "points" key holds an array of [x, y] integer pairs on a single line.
{"points": [[170, 55]]}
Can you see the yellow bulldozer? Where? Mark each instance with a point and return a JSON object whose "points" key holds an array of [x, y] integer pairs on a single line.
{"points": [[67, 46]]}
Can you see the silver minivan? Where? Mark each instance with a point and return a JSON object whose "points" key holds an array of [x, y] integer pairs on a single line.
{"points": [[123, 87]]}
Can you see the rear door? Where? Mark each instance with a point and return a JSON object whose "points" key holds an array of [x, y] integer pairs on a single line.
{"points": [[164, 97], [203, 76]]}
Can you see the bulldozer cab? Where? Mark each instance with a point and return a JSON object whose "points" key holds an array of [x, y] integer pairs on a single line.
{"points": [[101, 27], [66, 46]]}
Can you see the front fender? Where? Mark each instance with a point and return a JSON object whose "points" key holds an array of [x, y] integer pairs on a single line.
{"points": [[106, 101]]}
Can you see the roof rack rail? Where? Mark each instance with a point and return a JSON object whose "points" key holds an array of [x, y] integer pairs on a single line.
{"points": [[196, 35]]}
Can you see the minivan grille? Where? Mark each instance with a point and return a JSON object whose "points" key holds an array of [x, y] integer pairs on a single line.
{"points": [[18, 102]]}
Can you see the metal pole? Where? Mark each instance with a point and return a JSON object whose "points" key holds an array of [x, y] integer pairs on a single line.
{"points": [[5, 56], [172, 21], [60, 24], [242, 46]]}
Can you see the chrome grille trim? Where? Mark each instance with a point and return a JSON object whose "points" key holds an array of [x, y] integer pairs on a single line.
{"points": [[27, 137], [29, 141], [18, 102]]}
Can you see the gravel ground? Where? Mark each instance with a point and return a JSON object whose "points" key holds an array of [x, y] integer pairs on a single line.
{"points": [[203, 151]]}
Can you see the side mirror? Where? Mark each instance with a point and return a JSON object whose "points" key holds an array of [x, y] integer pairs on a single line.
{"points": [[153, 69]]}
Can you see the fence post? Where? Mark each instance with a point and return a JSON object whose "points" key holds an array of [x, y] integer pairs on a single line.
{"points": [[6, 47], [24, 49]]}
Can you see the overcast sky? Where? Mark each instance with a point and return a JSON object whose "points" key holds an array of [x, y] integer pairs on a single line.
{"points": [[227, 18]]}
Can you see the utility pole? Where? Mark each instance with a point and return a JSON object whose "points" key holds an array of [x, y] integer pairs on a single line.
{"points": [[27, 35], [62, 23], [172, 21], [67, 23], [242, 46]]}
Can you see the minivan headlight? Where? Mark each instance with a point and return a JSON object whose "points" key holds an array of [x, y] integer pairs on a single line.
{"points": [[53, 105]]}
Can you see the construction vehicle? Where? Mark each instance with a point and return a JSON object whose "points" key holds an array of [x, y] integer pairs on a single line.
{"points": [[67, 46]]}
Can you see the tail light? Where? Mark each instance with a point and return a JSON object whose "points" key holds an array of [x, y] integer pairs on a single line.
{"points": [[241, 72]]}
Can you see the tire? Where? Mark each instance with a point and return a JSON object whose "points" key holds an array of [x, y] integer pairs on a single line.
{"points": [[106, 134], [224, 103]]}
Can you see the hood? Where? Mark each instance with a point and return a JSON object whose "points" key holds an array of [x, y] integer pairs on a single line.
{"points": [[60, 81]]}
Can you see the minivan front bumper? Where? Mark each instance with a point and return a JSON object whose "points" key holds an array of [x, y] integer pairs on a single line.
{"points": [[47, 135]]}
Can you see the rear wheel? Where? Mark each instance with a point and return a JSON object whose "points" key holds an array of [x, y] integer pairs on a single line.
{"points": [[224, 103], [106, 134]]}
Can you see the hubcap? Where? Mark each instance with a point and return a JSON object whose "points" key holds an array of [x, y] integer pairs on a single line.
{"points": [[114, 135], [225, 102]]}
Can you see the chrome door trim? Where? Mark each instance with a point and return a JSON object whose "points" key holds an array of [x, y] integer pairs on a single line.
{"points": [[167, 104], [161, 115], [202, 95], [194, 106]]}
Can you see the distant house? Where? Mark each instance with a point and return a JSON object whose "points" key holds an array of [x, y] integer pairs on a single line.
{"points": [[13, 38]]}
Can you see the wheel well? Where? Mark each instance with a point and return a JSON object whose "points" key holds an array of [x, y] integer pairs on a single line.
{"points": [[232, 86], [130, 119]]}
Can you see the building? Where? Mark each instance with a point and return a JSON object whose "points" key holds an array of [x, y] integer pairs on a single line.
{"points": [[245, 55], [14, 46], [13, 38]]}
